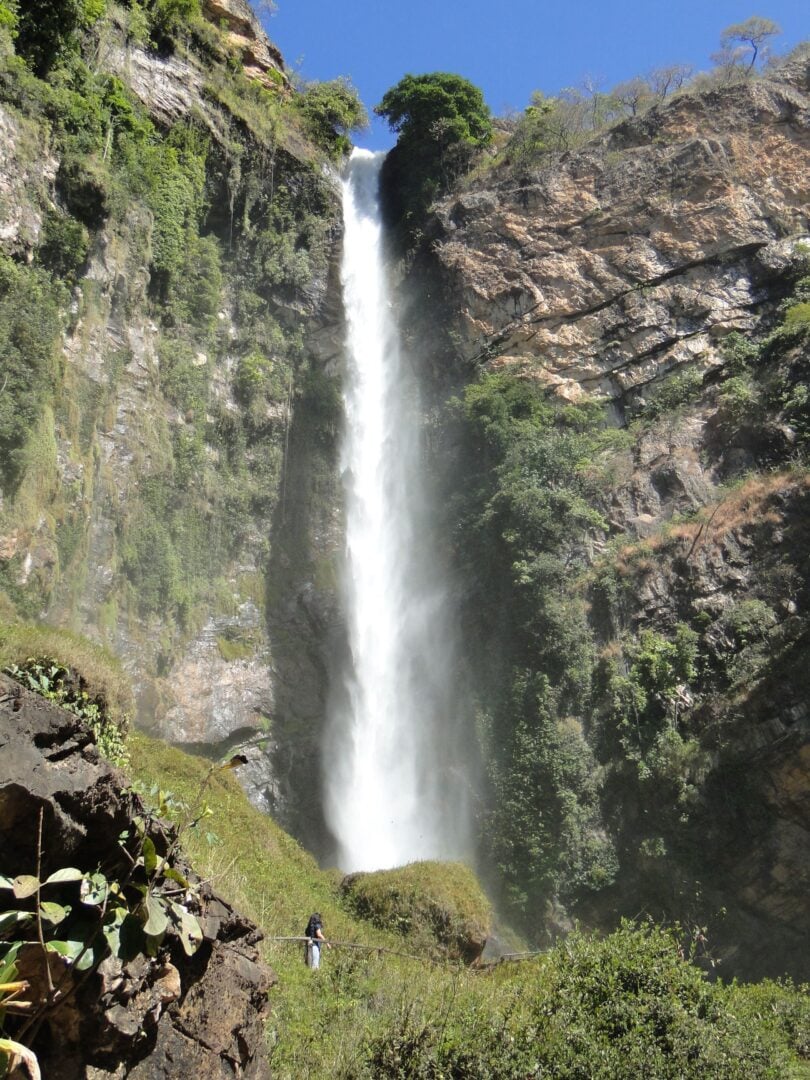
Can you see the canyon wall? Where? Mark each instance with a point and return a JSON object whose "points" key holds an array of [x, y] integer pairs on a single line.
{"points": [[622, 333]]}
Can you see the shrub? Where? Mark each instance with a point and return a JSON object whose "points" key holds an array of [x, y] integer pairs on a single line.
{"points": [[64, 245], [168, 17], [331, 110], [615, 1008], [184, 378], [740, 400], [678, 390], [428, 902]]}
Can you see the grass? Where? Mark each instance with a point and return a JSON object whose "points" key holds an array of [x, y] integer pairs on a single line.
{"points": [[437, 904], [101, 671], [755, 499], [318, 1021], [370, 1014]]}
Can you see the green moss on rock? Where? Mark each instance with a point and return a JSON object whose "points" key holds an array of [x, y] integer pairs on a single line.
{"points": [[434, 903]]}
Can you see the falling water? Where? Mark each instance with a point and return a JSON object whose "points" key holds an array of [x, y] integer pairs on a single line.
{"points": [[393, 793]]}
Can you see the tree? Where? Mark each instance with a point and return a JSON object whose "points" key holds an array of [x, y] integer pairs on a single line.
{"points": [[331, 110], [633, 95], [439, 107], [668, 79], [754, 32], [441, 120]]}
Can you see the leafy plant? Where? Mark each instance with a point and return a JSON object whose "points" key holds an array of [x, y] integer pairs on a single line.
{"points": [[52, 680], [85, 916], [331, 111]]}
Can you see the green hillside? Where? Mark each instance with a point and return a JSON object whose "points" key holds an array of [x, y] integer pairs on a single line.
{"points": [[626, 1005]]}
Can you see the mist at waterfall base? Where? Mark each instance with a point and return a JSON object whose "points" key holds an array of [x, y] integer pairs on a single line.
{"points": [[394, 785]]}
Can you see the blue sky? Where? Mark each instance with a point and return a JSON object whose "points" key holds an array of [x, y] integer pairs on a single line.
{"points": [[511, 48]]}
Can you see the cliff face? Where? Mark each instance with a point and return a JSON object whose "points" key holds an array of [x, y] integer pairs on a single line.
{"points": [[151, 477], [641, 252], [625, 469], [644, 586]]}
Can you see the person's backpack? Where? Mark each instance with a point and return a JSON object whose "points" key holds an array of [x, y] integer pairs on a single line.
{"points": [[313, 926]]}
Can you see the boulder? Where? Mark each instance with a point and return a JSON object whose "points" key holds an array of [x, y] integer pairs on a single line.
{"points": [[169, 1015]]}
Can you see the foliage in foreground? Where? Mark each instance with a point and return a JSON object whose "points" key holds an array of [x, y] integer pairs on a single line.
{"points": [[627, 1005]]}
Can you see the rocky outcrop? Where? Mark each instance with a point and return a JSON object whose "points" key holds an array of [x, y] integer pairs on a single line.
{"points": [[245, 35], [636, 255], [144, 1017], [22, 184], [617, 272]]}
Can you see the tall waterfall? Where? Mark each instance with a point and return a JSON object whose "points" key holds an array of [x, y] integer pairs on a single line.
{"points": [[393, 794]]}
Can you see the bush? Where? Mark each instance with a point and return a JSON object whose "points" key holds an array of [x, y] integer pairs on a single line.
{"points": [[184, 379], [64, 245], [677, 391], [168, 17], [46, 29], [331, 110], [431, 903], [615, 1008]]}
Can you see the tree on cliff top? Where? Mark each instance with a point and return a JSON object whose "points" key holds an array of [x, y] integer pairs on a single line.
{"points": [[441, 120], [439, 108], [754, 32], [734, 59], [331, 110]]}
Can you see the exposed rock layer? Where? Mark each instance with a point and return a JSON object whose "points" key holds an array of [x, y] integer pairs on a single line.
{"points": [[607, 269]]}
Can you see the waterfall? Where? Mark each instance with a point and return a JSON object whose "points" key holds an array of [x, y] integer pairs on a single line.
{"points": [[393, 791]]}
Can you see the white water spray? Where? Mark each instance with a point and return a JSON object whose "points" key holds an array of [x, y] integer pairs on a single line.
{"points": [[393, 794]]}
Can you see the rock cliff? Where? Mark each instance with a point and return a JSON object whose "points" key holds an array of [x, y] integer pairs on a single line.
{"points": [[636, 255], [144, 518], [648, 275]]}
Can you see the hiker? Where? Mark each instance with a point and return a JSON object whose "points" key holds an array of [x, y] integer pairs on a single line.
{"points": [[315, 939]]}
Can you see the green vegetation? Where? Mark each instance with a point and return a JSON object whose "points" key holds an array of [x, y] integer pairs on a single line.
{"points": [[331, 111], [767, 377], [614, 1007], [442, 120], [431, 903], [84, 667], [604, 775], [29, 326], [525, 507], [66, 688]]}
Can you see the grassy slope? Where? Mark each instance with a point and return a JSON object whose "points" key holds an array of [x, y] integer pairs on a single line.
{"points": [[319, 1023], [587, 1005]]}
